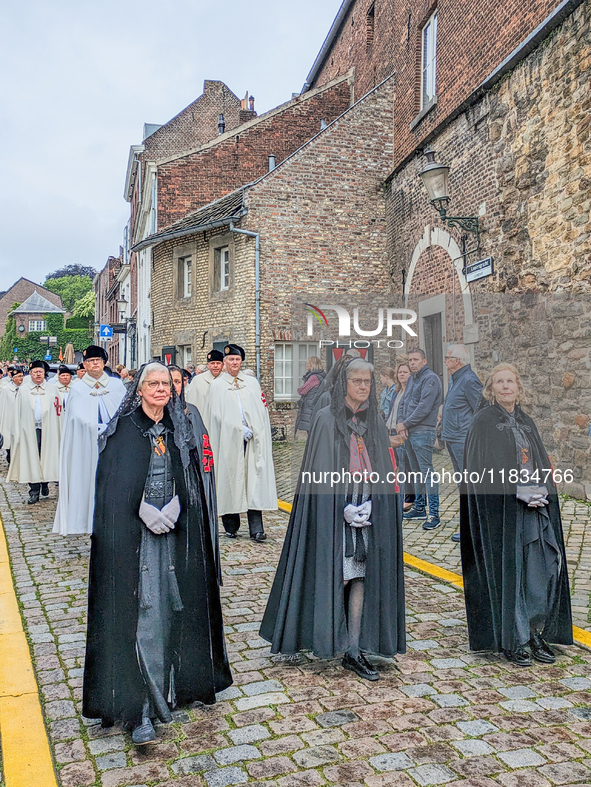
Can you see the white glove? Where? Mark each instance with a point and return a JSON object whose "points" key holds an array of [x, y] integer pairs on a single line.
{"points": [[533, 496], [160, 521], [358, 516], [247, 433]]}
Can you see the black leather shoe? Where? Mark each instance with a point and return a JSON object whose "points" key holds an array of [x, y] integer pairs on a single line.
{"points": [[144, 733], [519, 657], [364, 670], [33, 498], [45, 490], [231, 535], [541, 651], [259, 537]]}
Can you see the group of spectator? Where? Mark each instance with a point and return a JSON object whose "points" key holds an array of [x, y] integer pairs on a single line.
{"points": [[414, 410]]}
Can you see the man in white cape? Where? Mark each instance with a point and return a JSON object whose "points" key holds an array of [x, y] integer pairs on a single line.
{"points": [[91, 404], [239, 428], [35, 444], [8, 394], [198, 389]]}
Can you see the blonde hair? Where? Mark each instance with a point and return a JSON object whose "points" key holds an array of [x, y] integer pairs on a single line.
{"points": [[523, 396], [389, 372], [315, 363], [398, 365]]}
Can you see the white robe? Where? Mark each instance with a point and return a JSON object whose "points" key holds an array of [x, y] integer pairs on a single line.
{"points": [[79, 451], [197, 391], [26, 466], [243, 479], [8, 395], [63, 394]]}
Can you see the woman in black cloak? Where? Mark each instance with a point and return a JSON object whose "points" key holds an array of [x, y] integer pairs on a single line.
{"points": [[339, 586], [155, 631], [513, 559]]}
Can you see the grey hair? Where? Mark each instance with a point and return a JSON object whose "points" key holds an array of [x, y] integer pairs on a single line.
{"points": [[358, 365], [459, 351], [154, 366]]}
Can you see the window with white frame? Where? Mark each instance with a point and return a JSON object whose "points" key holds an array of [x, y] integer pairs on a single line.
{"points": [[186, 354], [37, 325], [290, 367], [187, 269], [429, 61], [222, 268]]}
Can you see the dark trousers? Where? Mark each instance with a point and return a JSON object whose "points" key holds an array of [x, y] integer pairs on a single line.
{"points": [[35, 489], [8, 455], [231, 522]]}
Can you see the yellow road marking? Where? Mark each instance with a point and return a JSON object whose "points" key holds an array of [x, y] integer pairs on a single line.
{"points": [[25, 749], [579, 635]]}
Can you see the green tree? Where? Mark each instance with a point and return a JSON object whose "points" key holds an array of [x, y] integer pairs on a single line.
{"points": [[84, 307], [71, 288], [10, 338]]}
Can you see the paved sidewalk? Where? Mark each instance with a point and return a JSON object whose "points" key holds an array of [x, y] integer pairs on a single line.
{"points": [[439, 715], [436, 547]]}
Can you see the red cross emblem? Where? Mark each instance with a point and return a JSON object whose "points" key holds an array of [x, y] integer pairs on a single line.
{"points": [[207, 455]]}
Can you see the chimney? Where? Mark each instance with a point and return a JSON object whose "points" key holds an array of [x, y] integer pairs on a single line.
{"points": [[221, 124], [251, 103]]}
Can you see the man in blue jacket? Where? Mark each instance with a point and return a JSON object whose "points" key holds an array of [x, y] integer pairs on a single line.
{"points": [[418, 428], [461, 403]]}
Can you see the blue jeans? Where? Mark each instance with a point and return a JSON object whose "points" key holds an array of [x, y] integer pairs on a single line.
{"points": [[419, 453], [455, 449]]}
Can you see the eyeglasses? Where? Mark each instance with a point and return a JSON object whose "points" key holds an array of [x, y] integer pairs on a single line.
{"points": [[153, 384], [357, 382], [449, 358]]}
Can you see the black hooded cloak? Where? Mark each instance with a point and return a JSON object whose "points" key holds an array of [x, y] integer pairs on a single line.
{"points": [[114, 688], [306, 607], [490, 522]]}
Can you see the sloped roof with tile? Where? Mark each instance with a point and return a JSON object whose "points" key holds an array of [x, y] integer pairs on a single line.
{"points": [[37, 304], [216, 214]]}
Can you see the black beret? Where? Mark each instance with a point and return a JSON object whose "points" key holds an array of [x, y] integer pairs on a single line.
{"points": [[80, 365], [215, 355], [64, 370], [39, 365], [234, 349], [95, 352]]}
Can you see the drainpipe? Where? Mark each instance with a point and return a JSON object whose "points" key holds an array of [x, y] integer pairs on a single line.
{"points": [[257, 293]]}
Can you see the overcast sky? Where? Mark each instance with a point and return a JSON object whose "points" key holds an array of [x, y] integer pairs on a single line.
{"points": [[80, 78]]}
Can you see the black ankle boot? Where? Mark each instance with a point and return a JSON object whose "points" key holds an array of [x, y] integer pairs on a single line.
{"points": [[44, 490], [33, 498]]}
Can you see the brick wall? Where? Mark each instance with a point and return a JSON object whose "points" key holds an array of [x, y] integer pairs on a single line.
{"points": [[18, 293], [196, 124], [186, 184], [474, 36], [321, 217]]}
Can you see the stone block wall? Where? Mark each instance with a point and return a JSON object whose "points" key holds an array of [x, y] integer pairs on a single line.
{"points": [[521, 158]]}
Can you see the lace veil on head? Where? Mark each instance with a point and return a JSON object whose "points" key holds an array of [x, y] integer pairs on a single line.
{"points": [[184, 436]]}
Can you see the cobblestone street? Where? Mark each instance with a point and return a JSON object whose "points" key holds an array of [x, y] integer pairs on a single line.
{"points": [[439, 714], [436, 547]]}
